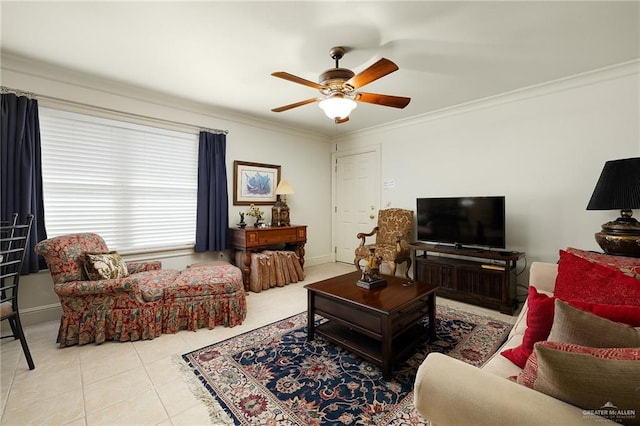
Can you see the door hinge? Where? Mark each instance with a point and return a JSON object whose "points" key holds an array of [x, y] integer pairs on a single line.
{"points": [[335, 209], [335, 249]]}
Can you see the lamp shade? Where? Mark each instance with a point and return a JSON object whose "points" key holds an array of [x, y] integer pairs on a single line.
{"points": [[618, 187], [280, 211], [337, 107], [284, 188]]}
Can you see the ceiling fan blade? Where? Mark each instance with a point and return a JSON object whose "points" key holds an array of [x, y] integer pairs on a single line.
{"points": [[297, 104], [386, 100], [374, 72], [296, 79], [341, 120]]}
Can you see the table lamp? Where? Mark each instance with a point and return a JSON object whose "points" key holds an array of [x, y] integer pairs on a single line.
{"points": [[619, 188], [280, 210]]}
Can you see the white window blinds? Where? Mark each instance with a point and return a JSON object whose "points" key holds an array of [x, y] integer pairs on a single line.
{"points": [[134, 185]]}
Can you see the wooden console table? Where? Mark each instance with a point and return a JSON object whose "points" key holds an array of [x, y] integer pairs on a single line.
{"points": [[251, 239], [480, 277]]}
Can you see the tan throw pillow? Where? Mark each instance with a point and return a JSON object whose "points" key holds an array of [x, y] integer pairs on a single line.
{"points": [[572, 325], [104, 266], [603, 382]]}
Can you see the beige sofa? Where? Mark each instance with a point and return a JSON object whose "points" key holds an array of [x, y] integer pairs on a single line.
{"points": [[450, 392]]}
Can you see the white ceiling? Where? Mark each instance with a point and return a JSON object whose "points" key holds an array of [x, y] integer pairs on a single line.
{"points": [[222, 53]]}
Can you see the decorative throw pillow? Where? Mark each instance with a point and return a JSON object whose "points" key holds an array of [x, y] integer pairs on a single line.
{"points": [[594, 379], [580, 279], [540, 316], [626, 314], [571, 325], [539, 321], [529, 373], [627, 265], [104, 266]]}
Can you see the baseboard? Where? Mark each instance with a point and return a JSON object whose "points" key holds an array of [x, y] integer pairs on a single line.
{"points": [[318, 260], [37, 315]]}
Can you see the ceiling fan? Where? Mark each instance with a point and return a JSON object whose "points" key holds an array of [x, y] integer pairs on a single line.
{"points": [[338, 87]]}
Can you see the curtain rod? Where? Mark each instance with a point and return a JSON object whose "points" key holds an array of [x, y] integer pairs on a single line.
{"points": [[31, 95]]}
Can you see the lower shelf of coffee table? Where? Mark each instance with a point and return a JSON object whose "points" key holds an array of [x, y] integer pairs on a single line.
{"points": [[368, 347]]}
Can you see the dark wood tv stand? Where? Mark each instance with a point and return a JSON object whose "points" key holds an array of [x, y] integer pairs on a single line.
{"points": [[480, 277]]}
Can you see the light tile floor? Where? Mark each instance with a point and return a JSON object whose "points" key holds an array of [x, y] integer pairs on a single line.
{"points": [[133, 383]]}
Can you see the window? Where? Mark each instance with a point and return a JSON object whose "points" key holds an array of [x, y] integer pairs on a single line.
{"points": [[134, 185]]}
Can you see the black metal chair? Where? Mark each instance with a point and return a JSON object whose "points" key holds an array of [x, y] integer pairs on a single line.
{"points": [[14, 238]]}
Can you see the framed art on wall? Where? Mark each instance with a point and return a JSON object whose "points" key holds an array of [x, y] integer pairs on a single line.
{"points": [[254, 183]]}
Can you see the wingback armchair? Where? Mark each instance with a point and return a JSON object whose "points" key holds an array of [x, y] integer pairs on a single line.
{"points": [[392, 236], [122, 301], [124, 308]]}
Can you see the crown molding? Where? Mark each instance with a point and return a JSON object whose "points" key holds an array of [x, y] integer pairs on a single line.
{"points": [[39, 69], [90, 83], [613, 72]]}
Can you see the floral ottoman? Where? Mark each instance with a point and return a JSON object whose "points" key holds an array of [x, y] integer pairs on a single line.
{"points": [[204, 296]]}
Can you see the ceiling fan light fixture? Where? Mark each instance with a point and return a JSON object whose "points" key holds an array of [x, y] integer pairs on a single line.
{"points": [[337, 107], [337, 87]]}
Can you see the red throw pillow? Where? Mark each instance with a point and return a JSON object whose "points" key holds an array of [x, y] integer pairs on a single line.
{"points": [[580, 279], [619, 313], [627, 265], [540, 319], [539, 322]]}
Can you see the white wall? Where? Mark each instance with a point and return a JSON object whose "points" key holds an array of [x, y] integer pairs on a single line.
{"points": [[305, 160], [543, 148]]}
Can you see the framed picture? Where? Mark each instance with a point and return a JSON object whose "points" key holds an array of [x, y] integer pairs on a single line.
{"points": [[254, 183]]}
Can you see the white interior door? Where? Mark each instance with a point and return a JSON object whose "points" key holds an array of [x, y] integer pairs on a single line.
{"points": [[356, 200]]}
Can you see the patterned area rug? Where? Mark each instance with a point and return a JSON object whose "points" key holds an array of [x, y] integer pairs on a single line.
{"points": [[274, 376]]}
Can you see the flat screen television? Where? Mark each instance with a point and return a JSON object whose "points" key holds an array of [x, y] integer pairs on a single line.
{"points": [[462, 221]]}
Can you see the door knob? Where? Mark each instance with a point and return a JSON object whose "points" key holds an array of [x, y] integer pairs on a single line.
{"points": [[371, 216]]}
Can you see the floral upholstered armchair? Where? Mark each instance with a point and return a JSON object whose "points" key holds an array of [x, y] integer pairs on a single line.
{"points": [[120, 302], [393, 233], [104, 298]]}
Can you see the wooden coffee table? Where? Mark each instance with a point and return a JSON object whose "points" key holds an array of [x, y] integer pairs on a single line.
{"points": [[380, 325]]}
